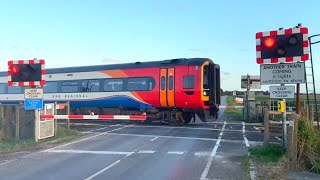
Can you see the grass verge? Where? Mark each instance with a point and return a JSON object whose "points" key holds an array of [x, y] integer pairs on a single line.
{"points": [[269, 161], [235, 113], [63, 135], [273, 153]]}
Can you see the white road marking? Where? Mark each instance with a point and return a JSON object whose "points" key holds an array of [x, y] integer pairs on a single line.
{"points": [[154, 138], [252, 169], [175, 152], [105, 127], [95, 130], [213, 153], [243, 127], [72, 151], [146, 152], [191, 128], [102, 170], [73, 142], [202, 154], [244, 135], [246, 141], [8, 161], [182, 137]]}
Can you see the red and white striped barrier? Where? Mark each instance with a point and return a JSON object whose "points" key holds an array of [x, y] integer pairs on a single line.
{"points": [[97, 117], [231, 107]]}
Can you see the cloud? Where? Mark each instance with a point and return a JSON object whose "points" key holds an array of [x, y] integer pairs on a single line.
{"points": [[111, 60], [226, 73]]}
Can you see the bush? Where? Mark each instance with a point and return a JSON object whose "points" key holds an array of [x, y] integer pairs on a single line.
{"points": [[309, 144]]}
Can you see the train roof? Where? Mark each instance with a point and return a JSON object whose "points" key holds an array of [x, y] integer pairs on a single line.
{"points": [[149, 64]]}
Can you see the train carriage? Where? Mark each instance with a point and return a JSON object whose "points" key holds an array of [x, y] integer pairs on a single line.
{"points": [[175, 90]]}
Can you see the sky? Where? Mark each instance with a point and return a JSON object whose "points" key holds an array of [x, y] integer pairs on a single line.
{"points": [[77, 32]]}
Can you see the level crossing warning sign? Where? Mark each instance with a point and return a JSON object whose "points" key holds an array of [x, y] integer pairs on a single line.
{"points": [[290, 73]]}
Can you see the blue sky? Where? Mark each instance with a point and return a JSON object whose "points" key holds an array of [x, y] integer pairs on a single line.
{"points": [[77, 32]]}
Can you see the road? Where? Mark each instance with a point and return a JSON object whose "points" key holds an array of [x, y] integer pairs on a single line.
{"points": [[123, 151]]}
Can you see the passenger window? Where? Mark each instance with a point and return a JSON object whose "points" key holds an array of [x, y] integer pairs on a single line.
{"points": [[113, 85], [3, 88], [69, 86], [170, 82], [90, 86], [188, 82], [163, 83], [140, 84], [15, 90], [50, 87]]}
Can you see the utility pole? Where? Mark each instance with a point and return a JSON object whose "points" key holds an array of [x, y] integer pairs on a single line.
{"points": [[247, 97]]}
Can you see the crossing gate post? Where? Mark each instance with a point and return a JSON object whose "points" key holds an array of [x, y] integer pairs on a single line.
{"points": [[55, 120], [36, 125], [68, 113]]}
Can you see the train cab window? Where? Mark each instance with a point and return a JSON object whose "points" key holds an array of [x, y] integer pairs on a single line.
{"points": [[113, 85], [206, 77], [140, 84], [163, 83], [188, 82], [90, 86], [3, 88], [69, 86], [15, 90], [170, 82], [50, 87]]}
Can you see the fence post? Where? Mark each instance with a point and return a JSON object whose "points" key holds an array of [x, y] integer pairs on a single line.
{"points": [[266, 127], [292, 133], [68, 113], [17, 112]]}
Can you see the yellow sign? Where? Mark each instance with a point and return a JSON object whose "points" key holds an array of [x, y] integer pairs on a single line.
{"points": [[281, 106]]}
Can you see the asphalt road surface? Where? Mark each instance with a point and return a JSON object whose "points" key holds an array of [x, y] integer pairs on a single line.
{"points": [[154, 151]]}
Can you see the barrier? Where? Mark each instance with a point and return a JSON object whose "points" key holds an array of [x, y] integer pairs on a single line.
{"points": [[96, 117], [231, 107]]}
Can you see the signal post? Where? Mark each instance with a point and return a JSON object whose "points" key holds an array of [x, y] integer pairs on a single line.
{"points": [[281, 55], [29, 73]]}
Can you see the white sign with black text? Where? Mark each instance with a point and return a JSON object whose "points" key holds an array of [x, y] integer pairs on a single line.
{"points": [[33, 93], [289, 73], [281, 92]]}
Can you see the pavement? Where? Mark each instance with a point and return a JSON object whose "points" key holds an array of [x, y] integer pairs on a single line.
{"points": [[111, 150]]}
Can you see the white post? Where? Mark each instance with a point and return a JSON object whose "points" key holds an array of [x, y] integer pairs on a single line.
{"points": [[37, 125]]}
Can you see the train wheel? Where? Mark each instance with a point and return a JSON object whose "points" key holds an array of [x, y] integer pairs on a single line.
{"points": [[187, 116]]}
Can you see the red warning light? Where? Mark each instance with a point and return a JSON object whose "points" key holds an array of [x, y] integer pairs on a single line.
{"points": [[14, 69], [269, 42]]}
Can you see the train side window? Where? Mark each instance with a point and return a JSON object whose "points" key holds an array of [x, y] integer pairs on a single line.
{"points": [[50, 87], [163, 83], [3, 88], [113, 85], [170, 82], [15, 90], [188, 82], [69, 86], [90, 86], [140, 84]]}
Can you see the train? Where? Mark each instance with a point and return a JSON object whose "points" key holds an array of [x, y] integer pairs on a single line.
{"points": [[173, 90]]}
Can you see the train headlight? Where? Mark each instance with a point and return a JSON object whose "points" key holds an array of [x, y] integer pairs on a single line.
{"points": [[204, 93]]}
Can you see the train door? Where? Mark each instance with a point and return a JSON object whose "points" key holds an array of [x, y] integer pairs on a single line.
{"points": [[167, 87], [214, 85]]}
